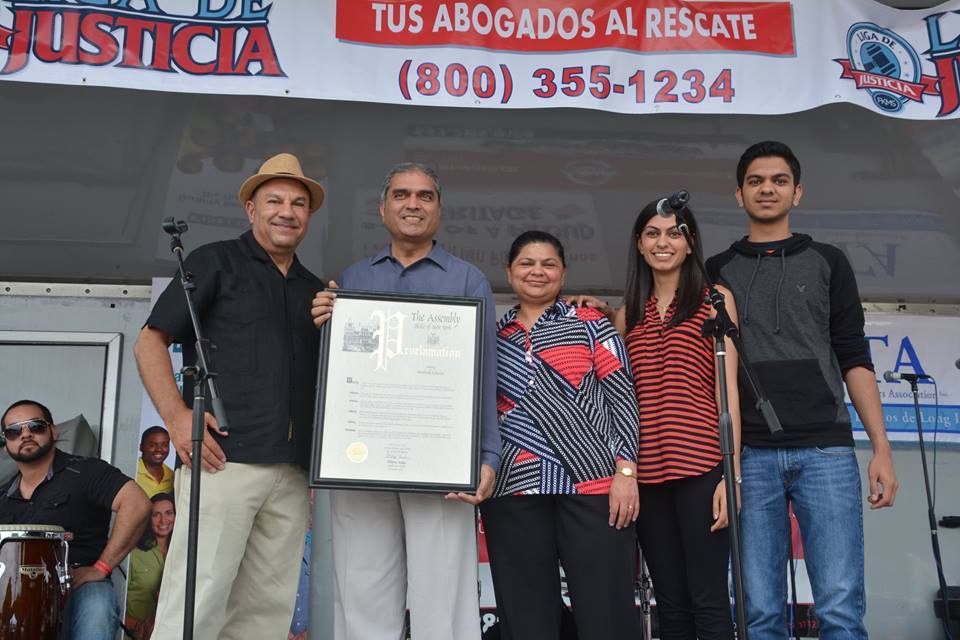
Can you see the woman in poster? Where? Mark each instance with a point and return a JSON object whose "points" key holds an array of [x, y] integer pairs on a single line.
{"points": [[146, 568], [566, 490]]}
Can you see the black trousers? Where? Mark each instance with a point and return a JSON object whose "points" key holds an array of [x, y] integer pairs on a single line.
{"points": [[528, 535], [687, 563]]}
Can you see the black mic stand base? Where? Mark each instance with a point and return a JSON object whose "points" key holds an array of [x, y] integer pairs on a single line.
{"points": [[953, 606]]}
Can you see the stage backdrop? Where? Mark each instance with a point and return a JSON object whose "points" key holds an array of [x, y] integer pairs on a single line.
{"points": [[630, 56]]}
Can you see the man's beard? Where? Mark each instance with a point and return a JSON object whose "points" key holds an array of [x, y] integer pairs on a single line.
{"points": [[36, 454]]}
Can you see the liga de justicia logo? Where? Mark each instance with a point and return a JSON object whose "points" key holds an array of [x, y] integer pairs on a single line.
{"points": [[219, 37], [885, 64]]}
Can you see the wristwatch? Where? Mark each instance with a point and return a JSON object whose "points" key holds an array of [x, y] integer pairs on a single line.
{"points": [[626, 471]]}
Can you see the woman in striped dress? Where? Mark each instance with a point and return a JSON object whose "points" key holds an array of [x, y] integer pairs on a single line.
{"points": [[566, 490], [683, 517]]}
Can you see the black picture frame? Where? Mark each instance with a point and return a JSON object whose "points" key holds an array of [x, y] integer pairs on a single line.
{"points": [[332, 427]]}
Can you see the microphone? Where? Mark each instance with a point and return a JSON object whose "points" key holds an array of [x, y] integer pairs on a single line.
{"points": [[175, 228], [892, 376], [673, 205], [172, 226], [957, 363]]}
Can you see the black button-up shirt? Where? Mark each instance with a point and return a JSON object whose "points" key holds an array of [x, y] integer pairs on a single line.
{"points": [[77, 494], [266, 346]]}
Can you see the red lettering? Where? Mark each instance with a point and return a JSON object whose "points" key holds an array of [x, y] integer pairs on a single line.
{"points": [[43, 38], [948, 72], [19, 43], [258, 48], [93, 34], [100, 38], [133, 30], [161, 47], [225, 50], [5, 36], [181, 48]]}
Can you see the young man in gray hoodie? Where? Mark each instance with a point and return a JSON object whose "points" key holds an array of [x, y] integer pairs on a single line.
{"points": [[802, 328]]}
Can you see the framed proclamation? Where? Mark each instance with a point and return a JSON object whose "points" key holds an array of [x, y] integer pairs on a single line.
{"points": [[398, 393]]}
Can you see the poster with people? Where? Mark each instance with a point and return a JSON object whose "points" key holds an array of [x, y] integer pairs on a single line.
{"points": [[155, 466], [146, 567]]}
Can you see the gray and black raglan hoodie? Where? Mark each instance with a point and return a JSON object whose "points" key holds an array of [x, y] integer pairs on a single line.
{"points": [[802, 327]]}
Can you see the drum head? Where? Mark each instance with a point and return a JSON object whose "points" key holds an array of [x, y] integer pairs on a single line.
{"points": [[31, 527]]}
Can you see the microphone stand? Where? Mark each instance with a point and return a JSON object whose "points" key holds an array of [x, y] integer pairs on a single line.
{"points": [[646, 591], [934, 538], [202, 379], [722, 327]]}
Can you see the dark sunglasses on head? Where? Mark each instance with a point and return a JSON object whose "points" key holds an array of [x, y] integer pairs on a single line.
{"points": [[36, 426]]}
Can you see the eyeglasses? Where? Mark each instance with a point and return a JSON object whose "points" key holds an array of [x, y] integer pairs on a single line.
{"points": [[37, 426]]}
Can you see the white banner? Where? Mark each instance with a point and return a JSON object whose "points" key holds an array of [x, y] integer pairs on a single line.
{"points": [[925, 345], [629, 56]]}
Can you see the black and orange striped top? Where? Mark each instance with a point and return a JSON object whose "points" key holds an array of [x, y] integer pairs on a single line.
{"points": [[673, 371]]}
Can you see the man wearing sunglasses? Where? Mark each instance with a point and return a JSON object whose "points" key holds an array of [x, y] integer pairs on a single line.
{"points": [[80, 495]]}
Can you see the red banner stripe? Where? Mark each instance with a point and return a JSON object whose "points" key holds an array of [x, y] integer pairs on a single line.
{"points": [[910, 90], [573, 25]]}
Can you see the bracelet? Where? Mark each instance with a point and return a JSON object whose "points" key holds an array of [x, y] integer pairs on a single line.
{"points": [[736, 479], [103, 568]]}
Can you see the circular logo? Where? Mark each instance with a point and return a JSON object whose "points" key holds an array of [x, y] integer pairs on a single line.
{"points": [[357, 452], [886, 102], [882, 53]]}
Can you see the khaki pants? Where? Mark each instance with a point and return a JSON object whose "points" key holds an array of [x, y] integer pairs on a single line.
{"points": [[394, 550], [253, 519]]}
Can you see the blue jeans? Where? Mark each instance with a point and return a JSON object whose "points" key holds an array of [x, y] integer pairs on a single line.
{"points": [[824, 487], [93, 612]]}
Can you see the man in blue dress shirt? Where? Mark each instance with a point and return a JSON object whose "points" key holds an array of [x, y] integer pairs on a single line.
{"points": [[392, 549]]}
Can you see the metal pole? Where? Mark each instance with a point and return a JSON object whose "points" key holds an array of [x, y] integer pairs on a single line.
{"points": [[721, 329], [730, 483], [193, 525], [934, 538]]}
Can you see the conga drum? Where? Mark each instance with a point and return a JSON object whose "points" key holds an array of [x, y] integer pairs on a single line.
{"points": [[33, 581]]}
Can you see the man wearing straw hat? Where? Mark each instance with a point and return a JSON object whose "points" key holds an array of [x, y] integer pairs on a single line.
{"points": [[253, 298]]}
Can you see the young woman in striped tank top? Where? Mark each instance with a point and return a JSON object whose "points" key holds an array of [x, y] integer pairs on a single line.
{"points": [[683, 517]]}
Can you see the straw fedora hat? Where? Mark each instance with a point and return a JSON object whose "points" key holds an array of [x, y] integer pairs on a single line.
{"points": [[282, 165]]}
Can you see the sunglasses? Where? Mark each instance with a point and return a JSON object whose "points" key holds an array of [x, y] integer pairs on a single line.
{"points": [[37, 426]]}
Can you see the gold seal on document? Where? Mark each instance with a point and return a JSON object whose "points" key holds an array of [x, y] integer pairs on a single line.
{"points": [[357, 452]]}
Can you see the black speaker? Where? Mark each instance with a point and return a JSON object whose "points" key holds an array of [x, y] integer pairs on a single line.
{"points": [[953, 600]]}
